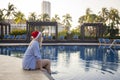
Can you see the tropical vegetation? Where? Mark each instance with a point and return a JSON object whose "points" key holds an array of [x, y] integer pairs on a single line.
{"points": [[109, 17]]}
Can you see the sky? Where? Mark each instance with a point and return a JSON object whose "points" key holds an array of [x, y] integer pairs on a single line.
{"points": [[75, 8]]}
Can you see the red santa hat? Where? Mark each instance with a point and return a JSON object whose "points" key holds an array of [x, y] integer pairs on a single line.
{"points": [[35, 34]]}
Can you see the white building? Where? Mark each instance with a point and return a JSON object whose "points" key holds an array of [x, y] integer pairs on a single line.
{"points": [[46, 8]]}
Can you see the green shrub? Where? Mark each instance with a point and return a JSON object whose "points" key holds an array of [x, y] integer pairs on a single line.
{"points": [[62, 33], [18, 32]]}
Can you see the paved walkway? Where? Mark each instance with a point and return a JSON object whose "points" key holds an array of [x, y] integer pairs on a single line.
{"points": [[11, 69]]}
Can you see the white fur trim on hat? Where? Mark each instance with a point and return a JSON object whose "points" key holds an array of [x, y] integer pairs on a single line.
{"points": [[38, 35]]}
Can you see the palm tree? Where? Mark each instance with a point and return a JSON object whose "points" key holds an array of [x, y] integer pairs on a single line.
{"points": [[2, 17], [32, 17], [103, 14], [88, 12], [19, 17], [81, 19], [114, 16], [56, 18], [114, 20], [45, 17], [10, 11], [88, 18], [67, 19], [92, 18]]}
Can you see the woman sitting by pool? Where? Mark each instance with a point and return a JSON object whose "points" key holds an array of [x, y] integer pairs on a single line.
{"points": [[32, 58]]}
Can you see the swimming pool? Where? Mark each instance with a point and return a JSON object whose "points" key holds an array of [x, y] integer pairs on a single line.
{"points": [[77, 62]]}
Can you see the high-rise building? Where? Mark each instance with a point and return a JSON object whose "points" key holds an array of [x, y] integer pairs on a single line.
{"points": [[46, 8]]}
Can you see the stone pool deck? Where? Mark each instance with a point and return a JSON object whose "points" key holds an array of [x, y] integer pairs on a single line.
{"points": [[11, 69]]}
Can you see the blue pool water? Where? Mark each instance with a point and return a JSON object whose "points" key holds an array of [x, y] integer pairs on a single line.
{"points": [[76, 62]]}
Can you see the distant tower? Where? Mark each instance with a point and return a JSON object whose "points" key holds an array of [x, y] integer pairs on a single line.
{"points": [[46, 8]]}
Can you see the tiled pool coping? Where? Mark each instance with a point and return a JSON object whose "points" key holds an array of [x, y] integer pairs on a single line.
{"points": [[12, 44], [11, 69], [17, 44]]}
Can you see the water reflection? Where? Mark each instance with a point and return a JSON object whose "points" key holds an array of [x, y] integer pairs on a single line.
{"points": [[87, 53], [68, 58], [16, 51]]}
